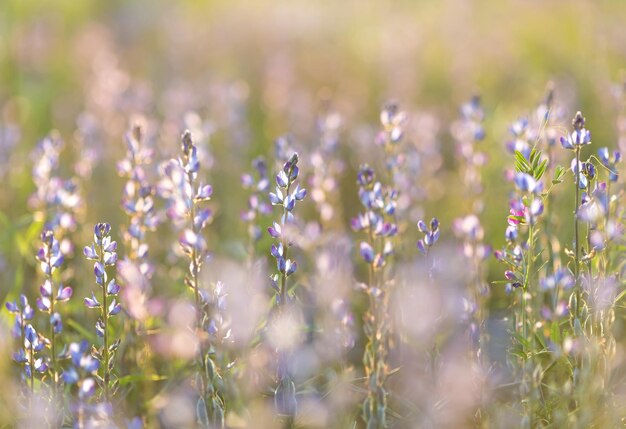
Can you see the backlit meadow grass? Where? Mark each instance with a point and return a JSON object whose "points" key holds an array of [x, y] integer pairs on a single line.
{"points": [[312, 215]]}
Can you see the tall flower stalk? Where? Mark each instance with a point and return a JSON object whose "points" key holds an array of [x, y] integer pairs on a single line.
{"points": [[257, 204], [469, 133], [103, 251], [138, 198], [575, 141], [81, 372], [526, 207], [285, 196], [186, 198], [138, 204], [56, 200], [51, 258], [378, 223], [327, 168], [30, 342]]}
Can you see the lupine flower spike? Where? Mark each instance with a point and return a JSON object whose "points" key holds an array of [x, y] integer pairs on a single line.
{"points": [[257, 201], [378, 222], [138, 198], [82, 372], [285, 196], [103, 251], [578, 138], [30, 342], [51, 258], [185, 206]]}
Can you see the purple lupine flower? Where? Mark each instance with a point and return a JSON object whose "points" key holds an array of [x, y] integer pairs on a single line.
{"points": [[275, 230], [594, 207], [562, 279], [578, 171], [392, 119], [431, 235], [367, 252], [365, 176], [579, 137], [523, 138], [92, 302], [56, 322], [90, 253], [527, 183]]}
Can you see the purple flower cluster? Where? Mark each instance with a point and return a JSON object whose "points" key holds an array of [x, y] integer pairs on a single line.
{"points": [[392, 120], [31, 343], [51, 258], [82, 370], [522, 137], [56, 198], [83, 373], [472, 233], [185, 198], [610, 161], [257, 206], [579, 137], [431, 235], [183, 194], [378, 219], [286, 197], [23, 312], [468, 132], [138, 198], [326, 168], [103, 251]]}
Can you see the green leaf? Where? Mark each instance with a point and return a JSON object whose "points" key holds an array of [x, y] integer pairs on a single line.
{"points": [[133, 378], [201, 413], [534, 158], [521, 164], [538, 173], [555, 333], [558, 175]]}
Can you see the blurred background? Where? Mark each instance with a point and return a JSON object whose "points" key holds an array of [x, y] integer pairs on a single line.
{"points": [[255, 71], [241, 74]]}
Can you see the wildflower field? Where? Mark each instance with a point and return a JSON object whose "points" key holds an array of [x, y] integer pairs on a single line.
{"points": [[356, 215]]}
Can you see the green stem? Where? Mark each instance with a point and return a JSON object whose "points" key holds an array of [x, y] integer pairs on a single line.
{"points": [[283, 278], [32, 371], [576, 239], [196, 291], [105, 321], [53, 361]]}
